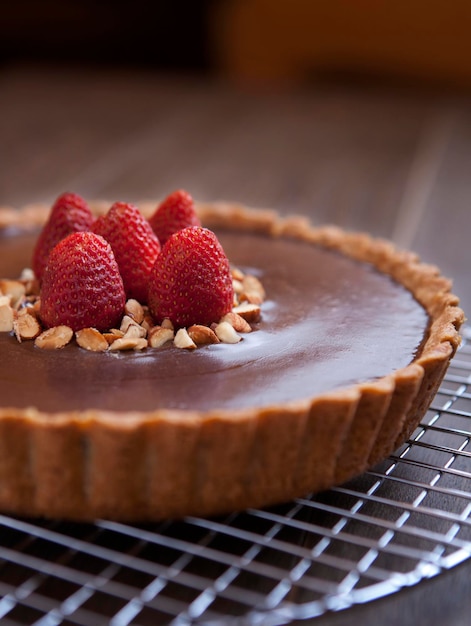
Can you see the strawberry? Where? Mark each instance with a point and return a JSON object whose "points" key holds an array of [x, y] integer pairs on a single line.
{"points": [[135, 246], [191, 280], [82, 286], [69, 214], [176, 212]]}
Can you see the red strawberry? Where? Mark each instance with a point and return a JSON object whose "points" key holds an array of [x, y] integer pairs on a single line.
{"points": [[69, 214], [82, 285], [135, 246], [176, 212], [191, 280]]}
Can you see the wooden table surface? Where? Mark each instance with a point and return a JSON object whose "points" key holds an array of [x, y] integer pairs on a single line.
{"points": [[396, 163]]}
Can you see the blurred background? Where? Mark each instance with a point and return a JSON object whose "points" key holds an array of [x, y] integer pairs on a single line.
{"points": [[250, 40], [355, 113]]}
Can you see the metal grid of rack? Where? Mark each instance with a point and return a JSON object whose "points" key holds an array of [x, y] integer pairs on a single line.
{"points": [[407, 519]]}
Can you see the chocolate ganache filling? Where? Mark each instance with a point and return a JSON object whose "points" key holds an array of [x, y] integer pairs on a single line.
{"points": [[328, 322]]}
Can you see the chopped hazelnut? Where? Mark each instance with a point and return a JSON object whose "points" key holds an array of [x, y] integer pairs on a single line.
{"points": [[135, 310], [183, 340], [226, 333], [6, 317], [202, 335], [91, 339], [26, 325], [158, 336], [128, 343], [54, 338], [237, 322]]}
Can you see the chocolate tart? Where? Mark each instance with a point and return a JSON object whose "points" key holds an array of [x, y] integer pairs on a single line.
{"points": [[354, 341]]}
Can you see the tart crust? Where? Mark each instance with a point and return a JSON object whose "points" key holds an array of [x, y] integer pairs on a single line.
{"points": [[168, 463]]}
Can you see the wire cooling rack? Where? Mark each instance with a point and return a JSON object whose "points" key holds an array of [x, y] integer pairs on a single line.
{"points": [[407, 519]]}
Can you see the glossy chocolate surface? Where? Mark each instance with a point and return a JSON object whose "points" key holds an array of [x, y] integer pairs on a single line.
{"points": [[329, 322]]}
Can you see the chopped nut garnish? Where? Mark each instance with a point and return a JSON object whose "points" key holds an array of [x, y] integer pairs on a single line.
{"points": [[202, 335], [135, 330], [183, 340], [37, 306], [253, 290], [158, 336], [91, 339], [237, 286], [26, 325], [237, 274], [20, 312], [30, 282], [237, 322], [13, 288], [249, 311], [6, 318], [27, 274], [126, 322], [116, 332], [54, 338], [128, 343], [167, 323], [148, 321], [112, 335], [226, 333], [135, 310]]}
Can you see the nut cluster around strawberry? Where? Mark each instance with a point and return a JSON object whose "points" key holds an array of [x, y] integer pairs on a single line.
{"points": [[88, 268]]}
